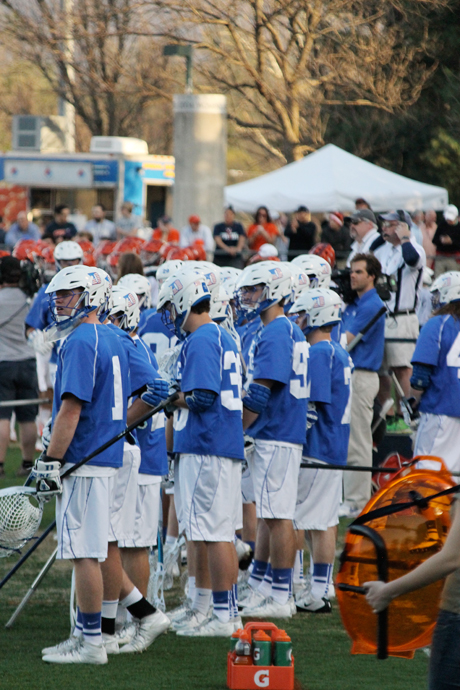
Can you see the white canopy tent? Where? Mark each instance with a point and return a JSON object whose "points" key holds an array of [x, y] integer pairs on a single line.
{"points": [[330, 179]]}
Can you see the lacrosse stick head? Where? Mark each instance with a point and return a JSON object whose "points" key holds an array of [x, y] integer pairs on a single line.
{"points": [[20, 516]]}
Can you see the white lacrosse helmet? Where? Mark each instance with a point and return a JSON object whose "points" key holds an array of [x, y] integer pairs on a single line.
{"points": [[220, 305], [277, 282], [300, 281], [166, 270], [445, 289], [125, 307], [210, 271], [322, 307], [141, 286], [67, 251], [182, 291], [96, 287], [229, 277], [427, 277], [317, 269]]}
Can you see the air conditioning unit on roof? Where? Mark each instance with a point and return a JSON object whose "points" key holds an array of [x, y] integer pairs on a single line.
{"points": [[42, 134], [119, 145]]}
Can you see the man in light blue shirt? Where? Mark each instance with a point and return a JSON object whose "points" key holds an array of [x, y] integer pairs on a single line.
{"points": [[22, 230]]}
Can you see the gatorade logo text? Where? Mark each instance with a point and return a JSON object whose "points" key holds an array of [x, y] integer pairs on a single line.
{"points": [[262, 679]]}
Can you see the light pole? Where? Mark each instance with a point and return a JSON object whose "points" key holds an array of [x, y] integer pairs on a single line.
{"points": [[185, 51]]}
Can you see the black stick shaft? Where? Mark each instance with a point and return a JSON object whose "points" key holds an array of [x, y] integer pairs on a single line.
{"points": [[28, 553], [352, 344]]}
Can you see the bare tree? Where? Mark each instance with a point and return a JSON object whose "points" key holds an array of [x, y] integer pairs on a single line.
{"points": [[95, 54], [285, 63]]}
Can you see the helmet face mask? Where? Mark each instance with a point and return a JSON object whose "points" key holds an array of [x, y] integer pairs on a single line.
{"points": [[125, 309], [317, 307], [261, 286]]}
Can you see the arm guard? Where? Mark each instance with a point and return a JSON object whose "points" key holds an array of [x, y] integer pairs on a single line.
{"points": [[257, 398], [200, 400], [421, 376]]}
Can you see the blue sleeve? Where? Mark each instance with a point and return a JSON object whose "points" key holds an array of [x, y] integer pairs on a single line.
{"points": [[272, 357], [320, 368], [39, 315], [201, 366], [428, 343], [410, 254], [140, 369], [364, 314], [79, 355]]}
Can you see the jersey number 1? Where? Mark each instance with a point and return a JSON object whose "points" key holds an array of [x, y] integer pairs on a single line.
{"points": [[117, 409]]}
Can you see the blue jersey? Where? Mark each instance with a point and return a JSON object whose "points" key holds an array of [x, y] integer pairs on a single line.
{"points": [[368, 353], [153, 331], [151, 437], [438, 345], [279, 353], [93, 365], [247, 336], [209, 360], [40, 317], [330, 370]]}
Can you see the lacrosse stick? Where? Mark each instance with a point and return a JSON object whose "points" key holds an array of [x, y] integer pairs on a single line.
{"points": [[155, 589], [20, 517], [32, 588]]}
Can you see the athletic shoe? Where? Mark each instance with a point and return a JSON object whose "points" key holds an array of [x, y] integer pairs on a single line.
{"points": [[212, 627], [125, 634], [331, 591], [253, 598], [180, 611], [65, 646], [269, 608], [85, 653], [110, 643], [399, 426], [237, 623], [308, 602], [243, 550], [191, 620], [348, 510], [147, 629]]}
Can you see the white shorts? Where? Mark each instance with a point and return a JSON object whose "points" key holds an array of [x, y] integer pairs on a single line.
{"points": [[275, 475], [146, 517], [247, 487], [43, 372], [83, 517], [124, 496], [318, 498], [210, 496], [397, 353], [439, 435], [177, 499]]}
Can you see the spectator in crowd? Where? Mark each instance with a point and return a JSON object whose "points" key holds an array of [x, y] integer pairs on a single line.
{"points": [[425, 307], [263, 229], [18, 369], [2, 231], [447, 241], [165, 231], [127, 222], [361, 204], [230, 239], [364, 232], [367, 357], [22, 229], [301, 231], [60, 229], [196, 230], [335, 232], [428, 226], [282, 241], [404, 259], [99, 226]]}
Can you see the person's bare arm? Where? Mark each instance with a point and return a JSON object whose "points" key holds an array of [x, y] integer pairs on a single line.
{"points": [[241, 243], [64, 426], [380, 594]]}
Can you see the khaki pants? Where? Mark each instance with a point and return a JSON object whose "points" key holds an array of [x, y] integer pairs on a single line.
{"points": [[444, 264], [357, 485]]}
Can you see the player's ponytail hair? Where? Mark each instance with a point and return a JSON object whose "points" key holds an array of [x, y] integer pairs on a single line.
{"points": [[450, 309]]}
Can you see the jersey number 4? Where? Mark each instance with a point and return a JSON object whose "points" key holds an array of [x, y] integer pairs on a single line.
{"points": [[453, 356]]}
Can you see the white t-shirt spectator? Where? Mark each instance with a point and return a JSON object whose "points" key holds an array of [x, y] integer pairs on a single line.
{"points": [[101, 230], [188, 237]]}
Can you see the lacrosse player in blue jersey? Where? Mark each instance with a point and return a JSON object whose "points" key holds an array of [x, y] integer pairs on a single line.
{"points": [[275, 410], [328, 422], [436, 375], [208, 436]]}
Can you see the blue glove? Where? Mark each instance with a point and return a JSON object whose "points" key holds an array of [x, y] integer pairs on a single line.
{"points": [[156, 392], [312, 415]]}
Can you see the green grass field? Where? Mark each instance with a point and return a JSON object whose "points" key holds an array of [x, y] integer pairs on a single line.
{"points": [[320, 645]]}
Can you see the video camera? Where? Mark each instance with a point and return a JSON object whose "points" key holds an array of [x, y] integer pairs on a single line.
{"points": [[385, 285]]}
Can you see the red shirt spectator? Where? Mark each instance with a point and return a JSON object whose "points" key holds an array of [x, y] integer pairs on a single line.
{"points": [[263, 230]]}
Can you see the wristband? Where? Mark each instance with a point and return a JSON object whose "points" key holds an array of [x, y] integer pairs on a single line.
{"points": [[48, 458]]}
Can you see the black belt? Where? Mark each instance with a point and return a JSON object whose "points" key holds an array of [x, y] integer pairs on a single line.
{"points": [[372, 371], [401, 313]]}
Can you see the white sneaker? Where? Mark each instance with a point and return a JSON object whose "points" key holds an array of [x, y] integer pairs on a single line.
{"points": [[65, 646], [237, 623], [253, 598], [331, 591], [243, 550], [269, 608], [180, 611], [110, 643], [85, 653], [192, 620], [147, 630], [212, 627], [126, 633], [307, 602]]}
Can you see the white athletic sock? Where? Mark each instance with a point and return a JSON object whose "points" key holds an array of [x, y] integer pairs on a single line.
{"points": [[109, 609], [191, 587], [298, 567], [170, 540], [322, 576], [133, 597], [265, 586], [202, 600], [222, 605]]}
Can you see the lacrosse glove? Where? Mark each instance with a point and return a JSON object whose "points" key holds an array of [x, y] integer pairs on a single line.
{"points": [[156, 392], [47, 478]]}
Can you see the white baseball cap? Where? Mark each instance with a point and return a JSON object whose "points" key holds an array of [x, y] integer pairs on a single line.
{"points": [[451, 212]]}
